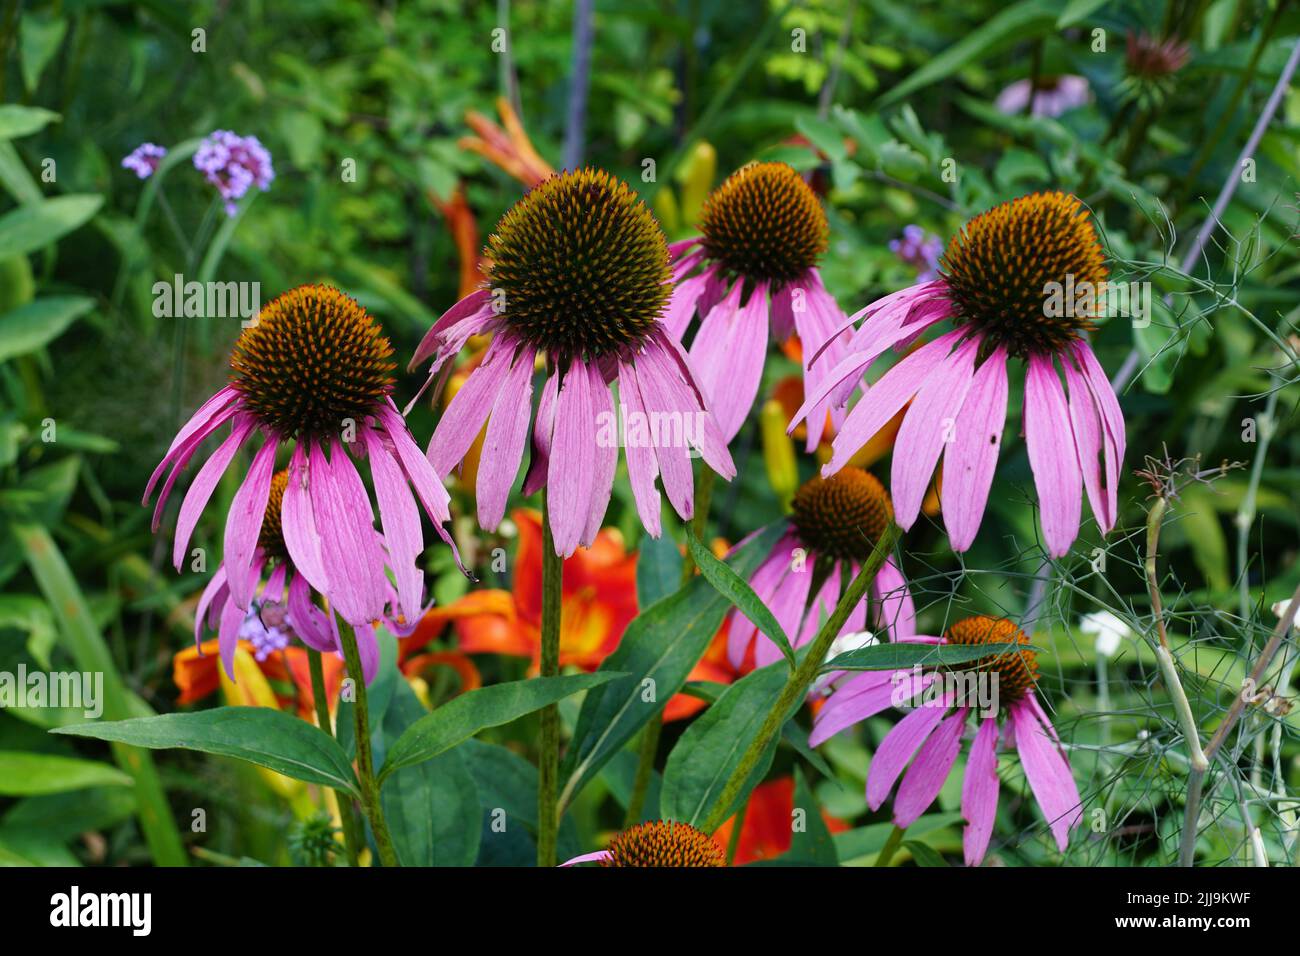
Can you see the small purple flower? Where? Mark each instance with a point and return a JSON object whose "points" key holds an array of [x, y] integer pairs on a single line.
{"points": [[234, 163], [920, 250], [144, 159], [1053, 95], [267, 629]]}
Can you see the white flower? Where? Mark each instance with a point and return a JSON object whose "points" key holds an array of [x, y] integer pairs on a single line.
{"points": [[1108, 629], [844, 643], [1280, 609]]}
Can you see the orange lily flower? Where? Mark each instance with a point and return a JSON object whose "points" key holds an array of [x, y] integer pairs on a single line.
{"points": [[509, 148], [598, 603], [196, 671], [767, 832]]}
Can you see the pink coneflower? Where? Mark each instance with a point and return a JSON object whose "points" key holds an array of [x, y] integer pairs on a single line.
{"points": [[930, 736], [314, 370], [1053, 96], [1022, 281], [283, 602], [144, 159], [762, 233], [579, 273], [657, 843], [835, 521]]}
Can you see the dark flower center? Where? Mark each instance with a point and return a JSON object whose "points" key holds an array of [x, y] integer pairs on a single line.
{"points": [[271, 539], [1017, 671], [663, 843], [764, 223], [580, 266], [313, 361], [1029, 273], [842, 516]]}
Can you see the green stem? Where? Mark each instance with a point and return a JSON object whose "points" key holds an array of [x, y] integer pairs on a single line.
{"points": [[370, 801], [890, 848], [703, 499], [644, 769], [796, 686], [733, 844], [351, 838], [548, 761]]}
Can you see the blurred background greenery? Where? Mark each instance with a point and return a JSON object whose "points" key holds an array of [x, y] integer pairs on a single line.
{"points": [[899, 114]]}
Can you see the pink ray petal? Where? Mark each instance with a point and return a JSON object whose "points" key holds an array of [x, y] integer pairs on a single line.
{"points": [[979, 792], [503, 446], [205, 482], [244, 523], [571, 471], [924, 778], [971, 457], [1048, 438]]}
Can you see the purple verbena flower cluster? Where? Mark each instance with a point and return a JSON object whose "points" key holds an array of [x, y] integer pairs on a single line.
{"points": [[233, 164], [920, 250], [144, 159]]}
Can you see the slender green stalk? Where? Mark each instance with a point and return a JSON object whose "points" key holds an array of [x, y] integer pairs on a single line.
{"points": [[890, 848], [645, 766], [548, 761], [733, 844], [351, 838], [370, 801], [796, 686]]}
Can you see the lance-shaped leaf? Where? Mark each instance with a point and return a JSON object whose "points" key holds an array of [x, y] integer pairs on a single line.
{"points": [[737, 590], [464, 716], [905, 655], [259, 735]]}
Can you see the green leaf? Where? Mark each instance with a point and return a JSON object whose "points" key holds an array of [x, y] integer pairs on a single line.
{"points": [[39, 37], [657, 652], [712, 746], [1077, 10], [432, 809], [29, 774], [35, 226], [36, 324], [923, 854], [812, 843], [824, 135], [259, 735], [1011, 24], [905, 655], [658, 569], [737, 590], [464, 716], [16, 121]]}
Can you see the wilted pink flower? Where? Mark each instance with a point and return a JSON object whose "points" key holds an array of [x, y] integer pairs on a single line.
{"points": [[144, 159], [753, 273], [930, 736], [1053, 96], [580, 274], [313, 371], [1024, 281], [234, 164]]}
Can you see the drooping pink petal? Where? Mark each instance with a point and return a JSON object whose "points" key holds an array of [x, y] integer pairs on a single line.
{"points": [[211, 415], [273, 590], [666, 431], [677, 376], [882, 401], [740, 629], [543, 428], [606, 453], [232, 616], [896, 611], [587, 858], [298, 523], [818, 320], [897, 749], [341, 510], [1087, 428], [979, 792], [571, 472], [419, 471], [205, 482], [469, 409], [929, 427], [1048, 773], [210, 603], [503, 445], [244, 524], [307, 619], [472, 305], [971, 457], [642, 464], [681, 306], [728, 354], [925, 777], [1052, 456], [400, 518], [180, 458], [1114, 440], [865, 695], [781, 312]]}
